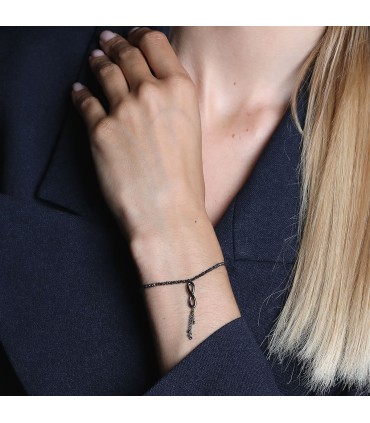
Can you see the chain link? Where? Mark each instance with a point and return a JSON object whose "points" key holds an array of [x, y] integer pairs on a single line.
{"points": [[192, 301]]}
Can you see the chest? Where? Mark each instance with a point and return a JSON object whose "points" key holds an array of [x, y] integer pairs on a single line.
{"points": [[227, 166], [230, 152]]}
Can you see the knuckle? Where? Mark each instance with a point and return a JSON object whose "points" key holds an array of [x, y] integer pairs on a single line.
{"points": [[106, 69], [114, 44], [148, 90], [86, 102], [123, 110], [153, 36], [102, 129], [182, 81], [123, 52]]}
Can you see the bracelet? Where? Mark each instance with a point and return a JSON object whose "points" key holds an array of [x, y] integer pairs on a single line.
{"points": [[191, 289]]}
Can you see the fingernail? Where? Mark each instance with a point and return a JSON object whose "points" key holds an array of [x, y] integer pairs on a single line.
{"points": [[133, 29], [77, 86], [107, 35], [97, 53]]}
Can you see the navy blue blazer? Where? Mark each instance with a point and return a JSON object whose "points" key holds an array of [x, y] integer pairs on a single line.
{"points": [[72, 317]]}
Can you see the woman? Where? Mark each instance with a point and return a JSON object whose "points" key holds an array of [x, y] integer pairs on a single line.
{"points": [[183, 123]]}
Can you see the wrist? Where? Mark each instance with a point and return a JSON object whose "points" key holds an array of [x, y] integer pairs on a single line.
{"points": [[185, 249], [187, 245], [165, 220]]}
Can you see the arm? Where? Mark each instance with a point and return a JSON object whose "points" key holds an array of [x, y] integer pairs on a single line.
{"points": [[186, 247], [148, 157], [223, 358]]}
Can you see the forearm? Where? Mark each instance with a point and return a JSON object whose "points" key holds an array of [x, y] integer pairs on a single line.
{"points": [[147, 150], [185, 248]]}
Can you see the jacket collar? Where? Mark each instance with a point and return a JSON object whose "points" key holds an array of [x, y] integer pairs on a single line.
{"points": [[260, 223]]}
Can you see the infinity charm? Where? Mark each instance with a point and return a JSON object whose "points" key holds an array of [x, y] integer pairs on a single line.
{"points": [[191, 289], [192, 301]]}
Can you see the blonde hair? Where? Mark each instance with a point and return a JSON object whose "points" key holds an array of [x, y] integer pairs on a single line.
{"points": [[325, 321]]}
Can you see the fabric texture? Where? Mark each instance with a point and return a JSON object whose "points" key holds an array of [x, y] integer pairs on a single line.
{"points": [[72, 317]]}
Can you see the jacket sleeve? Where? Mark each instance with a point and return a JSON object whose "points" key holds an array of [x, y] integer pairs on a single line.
{"points": [[228, 362]]}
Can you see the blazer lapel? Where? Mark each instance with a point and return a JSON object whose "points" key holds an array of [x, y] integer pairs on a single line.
{"points": [[265, 210], [70, 180]]}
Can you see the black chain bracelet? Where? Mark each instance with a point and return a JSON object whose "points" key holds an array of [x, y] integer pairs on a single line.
{"points": [[191, 291]]}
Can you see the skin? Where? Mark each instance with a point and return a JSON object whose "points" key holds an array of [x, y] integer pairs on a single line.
{"points": [[244, 76], [148, 155]]}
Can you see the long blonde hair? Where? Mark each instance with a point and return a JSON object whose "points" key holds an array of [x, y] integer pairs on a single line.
{"points": [[325, 321]]}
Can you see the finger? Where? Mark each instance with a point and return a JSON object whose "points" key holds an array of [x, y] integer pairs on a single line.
{"points": [[110, 77], [87, 105], [157, 50], [129, 58]]}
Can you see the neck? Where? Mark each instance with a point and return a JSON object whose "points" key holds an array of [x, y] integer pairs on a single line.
{"points": [[242, 68]]}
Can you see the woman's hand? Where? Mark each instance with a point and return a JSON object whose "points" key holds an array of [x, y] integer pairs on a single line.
{"points": [[148, 155], [147, 147]]}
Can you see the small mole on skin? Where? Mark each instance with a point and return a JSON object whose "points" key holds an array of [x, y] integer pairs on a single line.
{"points": [[234, 83], [247, 130], [195, 221], [233, 135]]}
